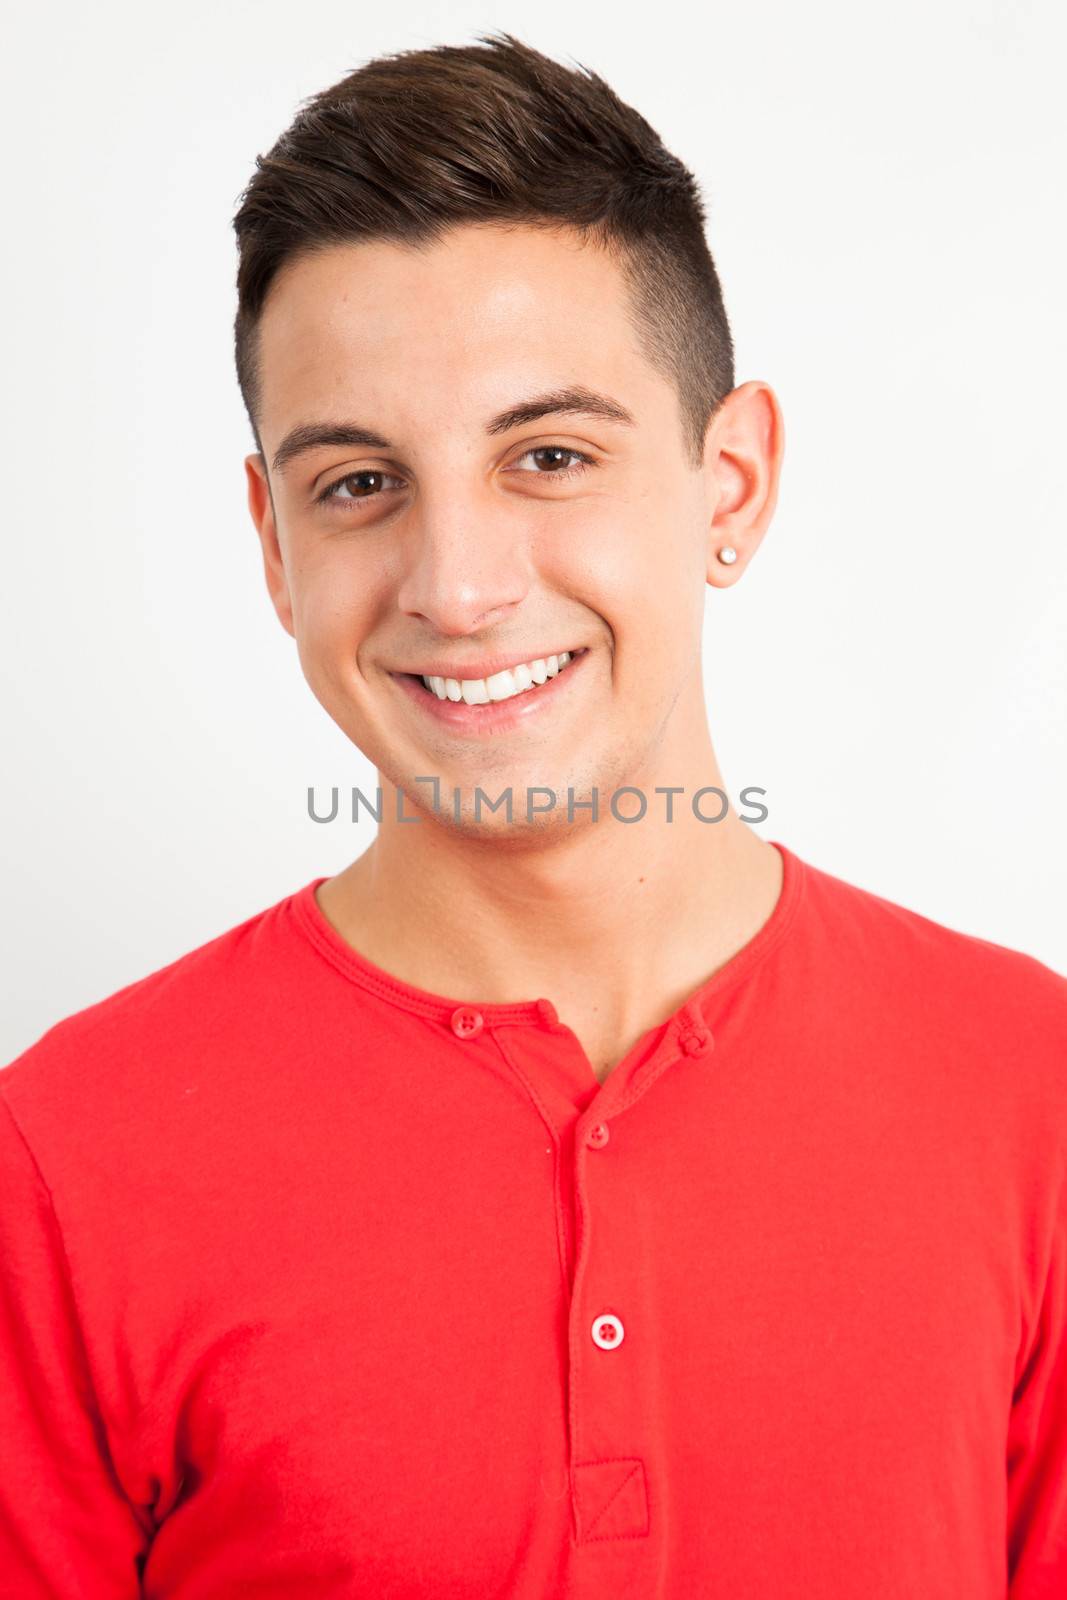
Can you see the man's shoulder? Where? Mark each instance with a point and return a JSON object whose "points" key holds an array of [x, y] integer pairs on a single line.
{"points": [[128, 1037], [919, 966]]}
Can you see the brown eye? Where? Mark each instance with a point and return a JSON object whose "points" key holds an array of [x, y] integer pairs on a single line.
{"points": [[362, 485], [552, 456], [366, 482], [555, 461]]}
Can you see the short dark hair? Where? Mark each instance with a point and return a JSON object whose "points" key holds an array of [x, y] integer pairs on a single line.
{"points": [[414, 143]]}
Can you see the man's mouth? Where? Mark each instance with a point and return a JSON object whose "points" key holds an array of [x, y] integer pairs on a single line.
{"points": [[506, 684]]}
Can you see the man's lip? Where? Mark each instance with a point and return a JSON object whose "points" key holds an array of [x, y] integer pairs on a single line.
{"points": [[480, 669], [497, 717]]}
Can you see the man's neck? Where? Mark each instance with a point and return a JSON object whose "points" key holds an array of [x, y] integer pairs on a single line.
{"points": [[615, 923]]}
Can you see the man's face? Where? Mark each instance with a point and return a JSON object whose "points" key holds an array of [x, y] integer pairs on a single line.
{"points": [[466, 543]]}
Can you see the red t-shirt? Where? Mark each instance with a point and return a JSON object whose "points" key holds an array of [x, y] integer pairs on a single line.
{"points": [[316, 1284]]}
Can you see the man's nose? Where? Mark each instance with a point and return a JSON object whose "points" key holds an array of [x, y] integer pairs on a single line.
{"points": [[467, 565]]}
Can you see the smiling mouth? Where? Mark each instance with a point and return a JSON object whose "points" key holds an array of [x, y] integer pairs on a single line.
{"points": [[506, 685]]}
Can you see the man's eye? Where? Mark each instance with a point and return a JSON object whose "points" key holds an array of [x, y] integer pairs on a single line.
{"points": [[363, 485], [551, 461]]}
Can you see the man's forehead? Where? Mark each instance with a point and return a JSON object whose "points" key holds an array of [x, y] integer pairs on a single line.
{"points": [[476, 282], [487, 326]]}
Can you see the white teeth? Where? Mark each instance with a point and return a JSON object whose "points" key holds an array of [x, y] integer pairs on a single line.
{"points": [[500, 685]]}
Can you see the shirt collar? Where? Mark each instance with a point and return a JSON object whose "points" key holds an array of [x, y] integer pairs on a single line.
{"points": [[691, 1017]]}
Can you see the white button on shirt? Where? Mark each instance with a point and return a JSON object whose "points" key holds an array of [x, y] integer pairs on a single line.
{"points": [[608, 1332]]}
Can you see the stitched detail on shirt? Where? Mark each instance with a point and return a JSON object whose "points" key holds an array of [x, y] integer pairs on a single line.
{"points": [[612, 1499], [348, 961], [542, 1111]]}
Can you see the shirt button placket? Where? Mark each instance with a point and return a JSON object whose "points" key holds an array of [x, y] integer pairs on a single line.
{"points": [[607, 1329], [610, 1487]]}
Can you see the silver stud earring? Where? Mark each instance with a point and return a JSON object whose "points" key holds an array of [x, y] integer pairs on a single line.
{"points": [[728, 555]]}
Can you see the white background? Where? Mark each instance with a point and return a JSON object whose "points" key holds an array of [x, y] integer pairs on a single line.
{"points": [[886, 210]]}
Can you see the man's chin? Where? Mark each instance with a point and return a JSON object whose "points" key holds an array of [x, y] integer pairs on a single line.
{"points": [[502, 811]]}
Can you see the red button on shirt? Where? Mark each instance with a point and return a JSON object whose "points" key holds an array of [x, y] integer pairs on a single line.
{"points": [[466, 1023], [292, 1300], [598, 1137]]}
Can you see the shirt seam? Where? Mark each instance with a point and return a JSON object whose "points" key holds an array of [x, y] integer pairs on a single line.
{"points": [[1032, 1344], [71, 1298], [767, 939], [542, 1110]]}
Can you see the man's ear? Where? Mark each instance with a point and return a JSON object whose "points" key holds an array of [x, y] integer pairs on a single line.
{"points": [[743, 461], [261, 506]]}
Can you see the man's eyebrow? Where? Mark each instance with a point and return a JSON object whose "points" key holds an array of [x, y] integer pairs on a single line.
{"points": [[315, 435], [574, 401]]}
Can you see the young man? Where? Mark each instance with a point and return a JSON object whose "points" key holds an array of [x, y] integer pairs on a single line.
{"points": [[588, 1199]]}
